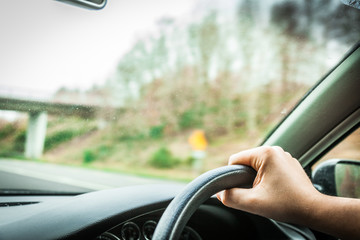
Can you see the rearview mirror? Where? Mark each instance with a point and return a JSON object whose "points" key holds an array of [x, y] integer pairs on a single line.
{"points": [[338, 177], [89, 4]]}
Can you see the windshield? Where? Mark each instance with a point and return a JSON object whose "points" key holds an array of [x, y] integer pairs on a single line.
{"points": [[151, 91]]}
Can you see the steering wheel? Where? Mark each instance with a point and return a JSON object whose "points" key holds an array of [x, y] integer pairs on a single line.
{"points": [[179, 211]]}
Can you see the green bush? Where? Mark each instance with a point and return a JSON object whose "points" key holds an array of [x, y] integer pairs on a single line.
{"points": [[157, 132], [190, 119], [19, 141], [58, 138], [89, 156], [163, 158], [100, 152], [15, 145], [7, 130]]}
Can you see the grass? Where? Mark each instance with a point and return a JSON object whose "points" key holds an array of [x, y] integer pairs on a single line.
{"points": [[64, 129], [134, 156]]}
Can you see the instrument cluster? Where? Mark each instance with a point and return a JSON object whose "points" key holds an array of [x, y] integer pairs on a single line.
{"points": [[142, 228]]}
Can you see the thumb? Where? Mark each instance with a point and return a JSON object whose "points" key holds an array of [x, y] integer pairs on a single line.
{"points": [[238, 198]]}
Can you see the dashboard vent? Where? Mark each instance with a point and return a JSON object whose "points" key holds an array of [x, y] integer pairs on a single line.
{"points": [[13, 204]]}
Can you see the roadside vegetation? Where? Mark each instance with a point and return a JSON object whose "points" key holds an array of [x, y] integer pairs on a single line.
{"points": [[216, 73], [12, 138]]}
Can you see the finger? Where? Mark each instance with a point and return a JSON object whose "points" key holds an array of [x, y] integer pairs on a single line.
{"points": [[251, 157], [238, 198], [219, 195], [243, 157]]}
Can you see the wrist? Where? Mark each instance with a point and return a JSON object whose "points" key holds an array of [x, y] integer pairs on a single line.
{"points": [[331, 215], [311, 210]]}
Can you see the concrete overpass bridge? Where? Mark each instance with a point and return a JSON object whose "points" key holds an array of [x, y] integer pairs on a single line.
{"points": [[38, 111]]}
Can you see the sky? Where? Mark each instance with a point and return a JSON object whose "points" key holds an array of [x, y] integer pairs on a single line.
{"points": [[46, 44]]}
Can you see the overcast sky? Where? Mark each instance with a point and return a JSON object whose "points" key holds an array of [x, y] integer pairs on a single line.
{"points": [[46, 44]]}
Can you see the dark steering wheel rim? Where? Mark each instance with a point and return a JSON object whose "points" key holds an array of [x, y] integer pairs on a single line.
{"points": [[195, 193], [181, 208]]}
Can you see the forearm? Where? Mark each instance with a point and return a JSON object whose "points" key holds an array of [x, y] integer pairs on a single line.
{"points": [[339, 217], [282, 191]]}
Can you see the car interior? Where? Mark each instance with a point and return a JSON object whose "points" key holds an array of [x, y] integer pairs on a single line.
{"points": [[324, 117]]}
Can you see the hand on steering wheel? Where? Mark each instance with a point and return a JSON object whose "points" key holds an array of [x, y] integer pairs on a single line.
{"points": [[232, 177]]}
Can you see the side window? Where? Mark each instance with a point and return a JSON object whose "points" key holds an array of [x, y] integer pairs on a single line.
{"points": [[349, 148], [338, 172]]}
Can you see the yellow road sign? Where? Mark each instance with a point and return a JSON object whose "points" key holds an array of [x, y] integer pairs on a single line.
{"points": [[197, 140]]}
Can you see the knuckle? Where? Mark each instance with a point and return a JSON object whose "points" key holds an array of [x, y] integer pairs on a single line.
{"points": [[288, 155], [267, 151], [278, 148]]}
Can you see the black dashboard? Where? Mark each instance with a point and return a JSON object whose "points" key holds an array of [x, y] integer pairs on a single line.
{"points": [[123, 213], [210, 221]]}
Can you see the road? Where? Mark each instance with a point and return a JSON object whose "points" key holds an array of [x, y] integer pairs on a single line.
{"points": [[19, 174]]}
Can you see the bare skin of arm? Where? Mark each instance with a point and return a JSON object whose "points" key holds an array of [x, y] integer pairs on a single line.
{"points": [[282, 191]]}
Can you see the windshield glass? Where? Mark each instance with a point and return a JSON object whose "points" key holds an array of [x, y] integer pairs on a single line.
{"points": [[148, 91]]}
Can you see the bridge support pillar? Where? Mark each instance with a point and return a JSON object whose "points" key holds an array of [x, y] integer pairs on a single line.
{"points": [[35, 135]]}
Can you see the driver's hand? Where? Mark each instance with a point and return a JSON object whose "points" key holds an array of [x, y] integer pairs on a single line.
{"points": [[281, 189]]}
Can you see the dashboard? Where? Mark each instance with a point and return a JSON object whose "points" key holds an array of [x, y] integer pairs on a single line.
{"points": [[208, 222], [143, 227], [129, 213]]}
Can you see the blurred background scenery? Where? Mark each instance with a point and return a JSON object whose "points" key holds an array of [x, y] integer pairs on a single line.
{"points": [[184, 94]]}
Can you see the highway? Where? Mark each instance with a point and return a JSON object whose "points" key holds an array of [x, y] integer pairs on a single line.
{"points": [[21, 174]]}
